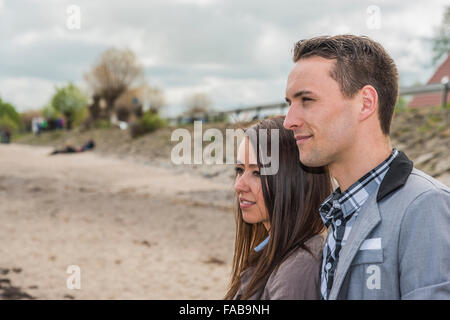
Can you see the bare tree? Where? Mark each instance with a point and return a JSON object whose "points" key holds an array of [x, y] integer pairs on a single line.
{"points": [[153, 98], [135, 101], [115, 71], [198, 103], [128, 104]]}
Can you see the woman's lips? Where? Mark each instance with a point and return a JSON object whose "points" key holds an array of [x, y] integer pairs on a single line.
{"points": [[244, 204], [301, 139]]}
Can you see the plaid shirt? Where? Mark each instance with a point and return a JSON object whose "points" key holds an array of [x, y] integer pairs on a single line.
{"points": [[340, 211]]}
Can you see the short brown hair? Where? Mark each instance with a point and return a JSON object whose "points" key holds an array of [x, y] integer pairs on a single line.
{"points": [[360, 61]]}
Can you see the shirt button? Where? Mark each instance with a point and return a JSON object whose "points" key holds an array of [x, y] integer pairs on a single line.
{"points": [[328, 266], [338, 222]]}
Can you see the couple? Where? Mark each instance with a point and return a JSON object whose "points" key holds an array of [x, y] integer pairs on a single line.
{"points": [[386, 227]]}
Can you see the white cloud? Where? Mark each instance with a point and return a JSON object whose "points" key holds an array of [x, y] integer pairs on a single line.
{"points": [[201, 3], [26, 93], [244, 92], [33, 37], [271, 44], [237, 51]]}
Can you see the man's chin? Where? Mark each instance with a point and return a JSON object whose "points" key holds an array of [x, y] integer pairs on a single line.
{"points": [[311, 161]]}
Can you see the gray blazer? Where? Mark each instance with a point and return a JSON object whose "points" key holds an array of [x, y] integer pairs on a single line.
{"points": [[298, 277], [399, 246]]}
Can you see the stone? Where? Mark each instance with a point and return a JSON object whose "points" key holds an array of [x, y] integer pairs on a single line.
{"points": [[424, 158], [442, 166]]}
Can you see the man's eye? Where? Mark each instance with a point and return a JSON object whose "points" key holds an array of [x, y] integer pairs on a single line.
{"points": [[304, 99]]}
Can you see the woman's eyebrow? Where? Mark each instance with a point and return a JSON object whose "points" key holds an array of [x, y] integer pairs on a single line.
{"points": [[239, 163]]}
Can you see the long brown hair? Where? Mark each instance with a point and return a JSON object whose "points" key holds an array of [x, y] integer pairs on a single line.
{"points": [[292, 197]]}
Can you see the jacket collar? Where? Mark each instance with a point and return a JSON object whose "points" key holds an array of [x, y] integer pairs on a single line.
{"points": [[396, 177]]}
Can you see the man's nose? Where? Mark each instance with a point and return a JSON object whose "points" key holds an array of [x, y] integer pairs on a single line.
{"points": [[293, 119]]}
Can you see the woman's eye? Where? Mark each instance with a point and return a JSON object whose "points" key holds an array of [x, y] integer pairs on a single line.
{"points": [[238, 170], [256, 173]]}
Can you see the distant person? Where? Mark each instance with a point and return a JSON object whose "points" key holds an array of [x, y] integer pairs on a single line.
{"points": [[5, 136], [389, 223], [39, 129], [88, 146], [278, 243], [69, 148]]}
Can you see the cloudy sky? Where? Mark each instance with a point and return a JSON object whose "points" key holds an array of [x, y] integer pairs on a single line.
{"points": [[238, 52]]}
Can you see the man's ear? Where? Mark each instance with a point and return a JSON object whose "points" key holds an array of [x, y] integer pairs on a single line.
{"points": [[369, 102]]}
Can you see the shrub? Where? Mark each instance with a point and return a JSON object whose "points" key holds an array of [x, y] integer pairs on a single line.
{"points": [[69, 101], [9, 116], [151, 122], [148, 123], [80, 116], [6, 123], [102, 124]]}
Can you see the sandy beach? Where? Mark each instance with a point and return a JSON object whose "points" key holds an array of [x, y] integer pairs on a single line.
{"points": [[136, 231]]}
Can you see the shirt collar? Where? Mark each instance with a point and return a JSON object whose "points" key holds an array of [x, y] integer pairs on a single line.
{"points": [[354, 197], [262, 245]]}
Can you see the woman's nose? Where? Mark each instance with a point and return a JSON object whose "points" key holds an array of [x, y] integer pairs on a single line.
{"points": [[241, 184]]}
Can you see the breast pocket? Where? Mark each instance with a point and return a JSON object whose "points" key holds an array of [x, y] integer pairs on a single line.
{"points": [[367, 272], [368, 257]]}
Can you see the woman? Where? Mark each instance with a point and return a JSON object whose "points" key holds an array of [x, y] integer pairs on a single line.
{"points": [[278, 244]]}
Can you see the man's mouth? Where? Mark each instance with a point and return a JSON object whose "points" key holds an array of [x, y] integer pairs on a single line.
{"points": [[302, 138]]}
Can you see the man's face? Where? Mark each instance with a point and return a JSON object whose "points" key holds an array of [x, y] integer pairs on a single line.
{"points": [[322, 119]]}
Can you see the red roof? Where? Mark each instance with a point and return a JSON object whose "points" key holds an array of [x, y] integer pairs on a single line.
{"points": [[435, 98]]}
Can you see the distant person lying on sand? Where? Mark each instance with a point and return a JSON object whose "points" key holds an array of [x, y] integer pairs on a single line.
{"points": [[69, 148]]}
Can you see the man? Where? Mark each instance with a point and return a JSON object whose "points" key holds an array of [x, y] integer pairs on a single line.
{"points": [[389, 235]]}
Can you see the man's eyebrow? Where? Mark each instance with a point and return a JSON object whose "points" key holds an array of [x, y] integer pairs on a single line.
{"points": [[299, 94]]}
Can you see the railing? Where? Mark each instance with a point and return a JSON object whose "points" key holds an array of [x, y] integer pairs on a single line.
{"points": [[429, 88]]}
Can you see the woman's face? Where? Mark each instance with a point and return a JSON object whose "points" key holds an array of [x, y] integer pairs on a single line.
{"points": [[248, 186]]}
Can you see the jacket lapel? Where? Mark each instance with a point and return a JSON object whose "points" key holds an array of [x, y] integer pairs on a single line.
{"points": [[368, 218]]}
